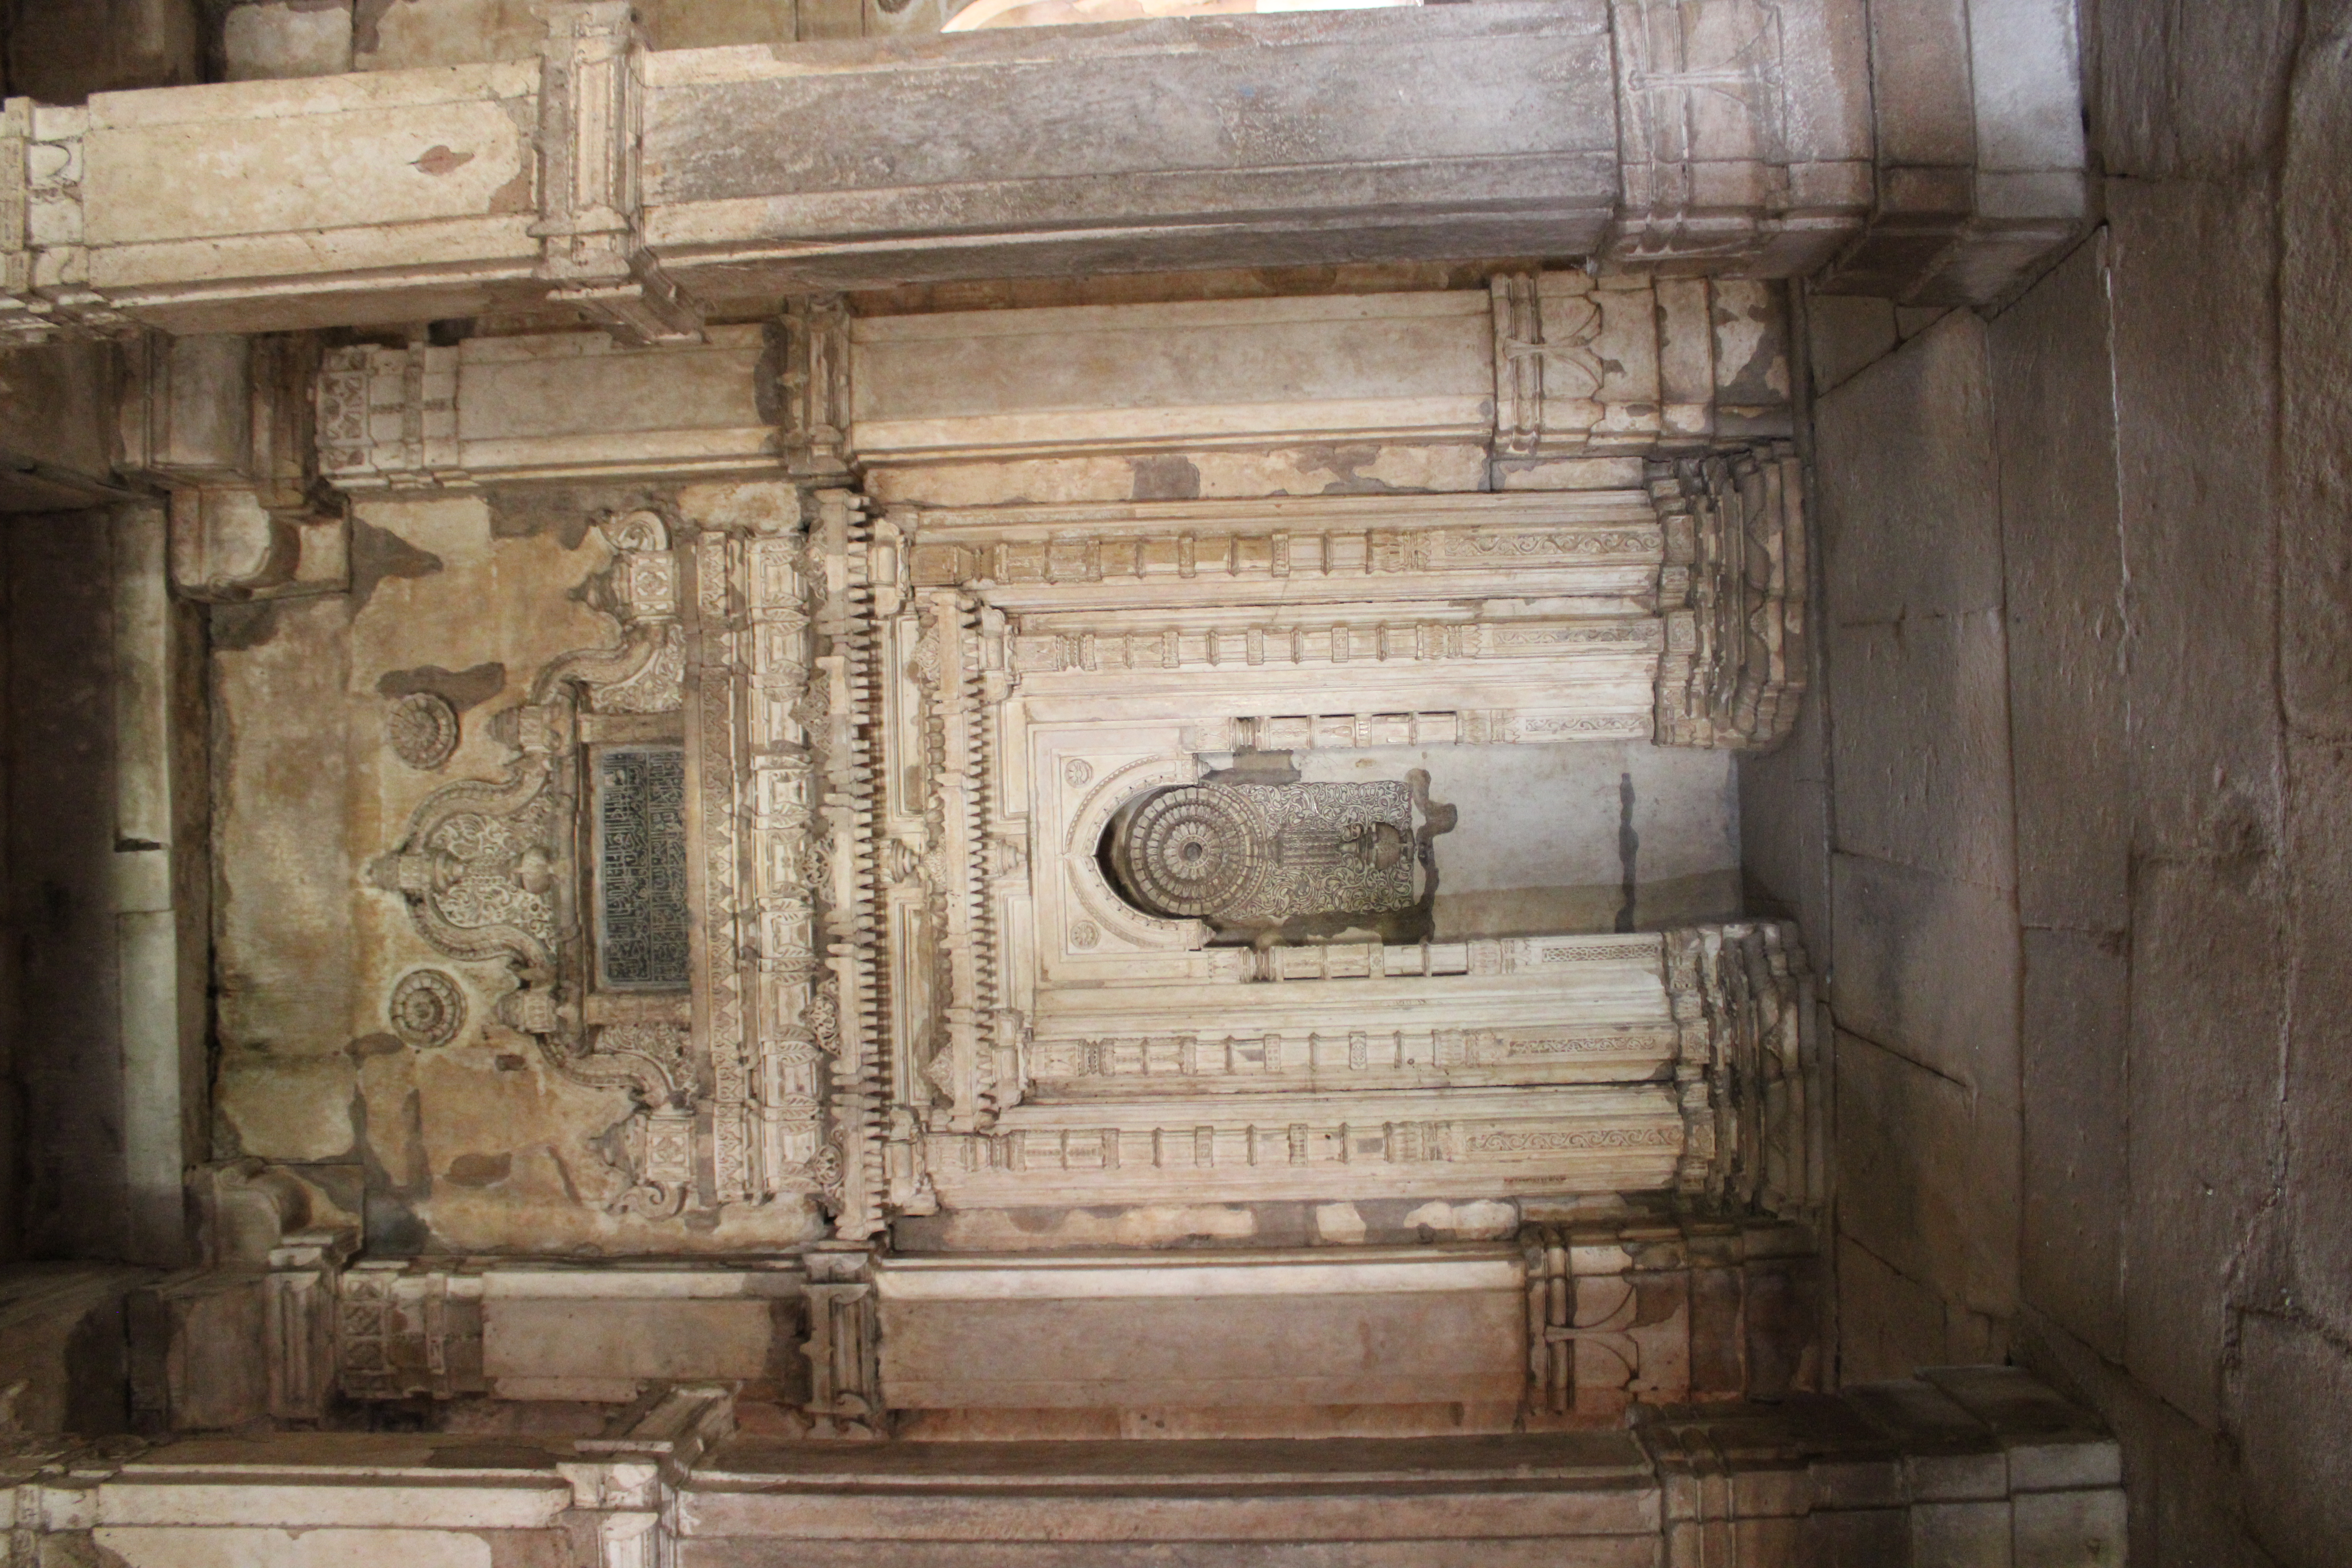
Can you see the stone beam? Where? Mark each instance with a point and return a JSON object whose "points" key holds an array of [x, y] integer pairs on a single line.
{"points": [[644, 190], [1969, 1464]]}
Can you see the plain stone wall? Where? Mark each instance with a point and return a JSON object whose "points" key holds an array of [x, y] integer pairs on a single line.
{"points": [[66, 1058], [61, 51], [2082, 781]]}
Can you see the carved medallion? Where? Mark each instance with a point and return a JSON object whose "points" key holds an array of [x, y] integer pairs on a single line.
{"points": [[427, 1008], [1191, 852], [422, 730], [1271, 857]]}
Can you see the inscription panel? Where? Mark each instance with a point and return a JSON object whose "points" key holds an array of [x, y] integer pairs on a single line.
{"points": [[640, 852]]}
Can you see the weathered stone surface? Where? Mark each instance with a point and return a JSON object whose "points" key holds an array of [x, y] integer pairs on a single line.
{"points": [[53, 423], [1294, 1330], [1925, 782], [2199, 513], [839, 131], [1910, 524], [2319, 1077], [1010, 383], [1925, 939], [555, 1349], [2066, 598], [1910, 486], [2197, 94], [2074, 1031], [282, 907], [2297, 1382], [2315, 374], [1696, 138], [282, 160], [76, 48], [2192, 308], [65, 1346], [1845, 334], [1784, 828], [60, 856], [169, 1546], [2204, 1114], [1907, 1168], [1928, 967], [1888, 1323], [1920, 83], [270, 38], [415, 33]]}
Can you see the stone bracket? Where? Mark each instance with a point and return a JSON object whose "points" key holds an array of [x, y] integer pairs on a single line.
{"points": [[813, 387], [844, 1345], [45, 287], [227, 425], [1741, 148], [591, 106], [1664, 1310], [623, 1489]]}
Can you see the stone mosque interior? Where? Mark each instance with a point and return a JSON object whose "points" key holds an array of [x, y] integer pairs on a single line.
{"points": [[1134, 784]]}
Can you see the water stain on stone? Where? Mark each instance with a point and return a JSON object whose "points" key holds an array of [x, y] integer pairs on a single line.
{"points": [[368, 1046], [1348, 459], [479, 1170], [567, 511], [519, 195], [237, 628], [461, 688], [377, 553], [439, 159], [367, 19], [1171, 477], [393, 1226]]}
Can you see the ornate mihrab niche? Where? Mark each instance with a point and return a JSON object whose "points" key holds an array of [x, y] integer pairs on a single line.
{"points": [[1130, 956], [957, 860], [672, 864]]}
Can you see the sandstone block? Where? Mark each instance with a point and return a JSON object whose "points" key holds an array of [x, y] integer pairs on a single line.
{"points": [[2067, 623], [1910, 504], [1928, 967], [2073, 1034]]}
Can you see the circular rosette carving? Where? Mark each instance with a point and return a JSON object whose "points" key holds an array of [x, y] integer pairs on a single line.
{"points": [[1187, 852], [423, 729], [427, 1008]]}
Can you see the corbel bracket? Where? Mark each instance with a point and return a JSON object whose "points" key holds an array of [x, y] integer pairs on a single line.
{"points": [[593, 251]]}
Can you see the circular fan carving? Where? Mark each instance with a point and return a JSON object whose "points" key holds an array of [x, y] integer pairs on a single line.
{"points": [[427, 1009], [423, 728], [1189, 851]]}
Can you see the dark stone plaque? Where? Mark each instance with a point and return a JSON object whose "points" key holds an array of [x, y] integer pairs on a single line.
{"points": [[641, 905]]}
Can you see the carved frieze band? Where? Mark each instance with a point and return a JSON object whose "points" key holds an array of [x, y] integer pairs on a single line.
{"points": [[1623, 361], [1713, 623]]}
